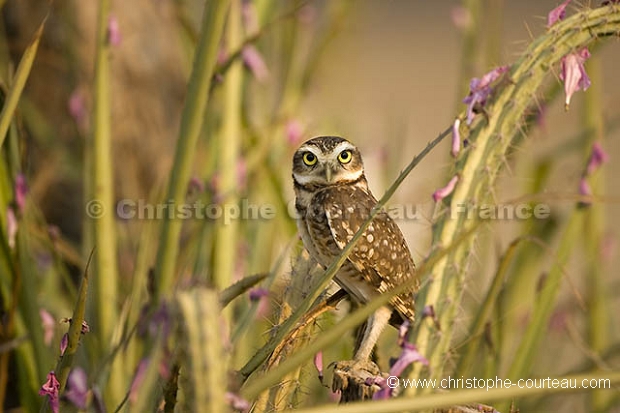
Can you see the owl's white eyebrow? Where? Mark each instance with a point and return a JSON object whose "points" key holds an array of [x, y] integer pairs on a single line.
{"points": [[342, 146], [313, 150]]}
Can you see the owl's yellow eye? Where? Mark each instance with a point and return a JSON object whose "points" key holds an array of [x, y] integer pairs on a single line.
{"points": [[345, 156], [309, 158]]}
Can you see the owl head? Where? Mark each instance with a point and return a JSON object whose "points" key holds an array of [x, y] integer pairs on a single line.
{"points": [[327, 160]]}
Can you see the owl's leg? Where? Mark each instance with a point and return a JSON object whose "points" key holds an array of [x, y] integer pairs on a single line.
{"points": [[374, 326]]}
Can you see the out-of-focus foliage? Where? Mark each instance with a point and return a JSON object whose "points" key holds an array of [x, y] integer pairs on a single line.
{"points": [[145, 200]]}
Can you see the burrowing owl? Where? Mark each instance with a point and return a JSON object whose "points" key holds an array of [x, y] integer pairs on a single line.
{"points": [[333, 200]]}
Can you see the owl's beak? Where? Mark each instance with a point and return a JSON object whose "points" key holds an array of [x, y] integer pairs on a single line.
{"points": [[328, 173]]}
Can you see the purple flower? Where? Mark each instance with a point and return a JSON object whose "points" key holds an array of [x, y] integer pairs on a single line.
{"points": [[138, 378], [51, 388], [78, 109], [479, 91], [385, 392], [294, 131], [150, 323], [408, 355], [237, 402], [557, 14], [597, 158], [428, 311], [307, 14], [254, 61], [49, 324], [222, 57], [402, 332], [259, 295], [318, 363], [573, 73], [11, 227], [461, 17], [441, 193], [77, 388], [195, 185], [85, 327], [541, 117], [21, 190], [114, 31], [256, 294], [558, 320], [64, 342], [608, 247], [456, 138], [242, 173], [585, 191], [250, 18]]}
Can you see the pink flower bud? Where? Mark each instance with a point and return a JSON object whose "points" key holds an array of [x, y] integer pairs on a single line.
{"points": [[441, 193], [557, 14]]}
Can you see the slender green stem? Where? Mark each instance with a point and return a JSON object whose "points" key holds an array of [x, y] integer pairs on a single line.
{"points": [[102, 186], [486, 309], [545, 302], [19, 81], [191, 123], [63, 367], [75, 331], [104, 226], [229, 148], [598, 302]]}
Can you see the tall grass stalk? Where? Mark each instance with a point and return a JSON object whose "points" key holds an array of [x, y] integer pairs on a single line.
{"points": [[19, 277], [594, 240], [198, 92], [104, 226], [63, 367], [226, 248], [19, 81], [484, 315]]}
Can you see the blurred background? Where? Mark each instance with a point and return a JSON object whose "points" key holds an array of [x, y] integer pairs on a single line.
{"points": [[387, 75]]}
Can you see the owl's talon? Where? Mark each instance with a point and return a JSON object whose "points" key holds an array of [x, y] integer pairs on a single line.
{"points": [[351, 378]]}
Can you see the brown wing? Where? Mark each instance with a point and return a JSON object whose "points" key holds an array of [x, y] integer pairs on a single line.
{"points": [[381, 255]]}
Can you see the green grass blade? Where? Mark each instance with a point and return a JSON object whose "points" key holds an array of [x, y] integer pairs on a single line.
{"points": [[191, 123], [103, 227], [75, 332], [537, 327], [485, 311], [19, 81]]}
